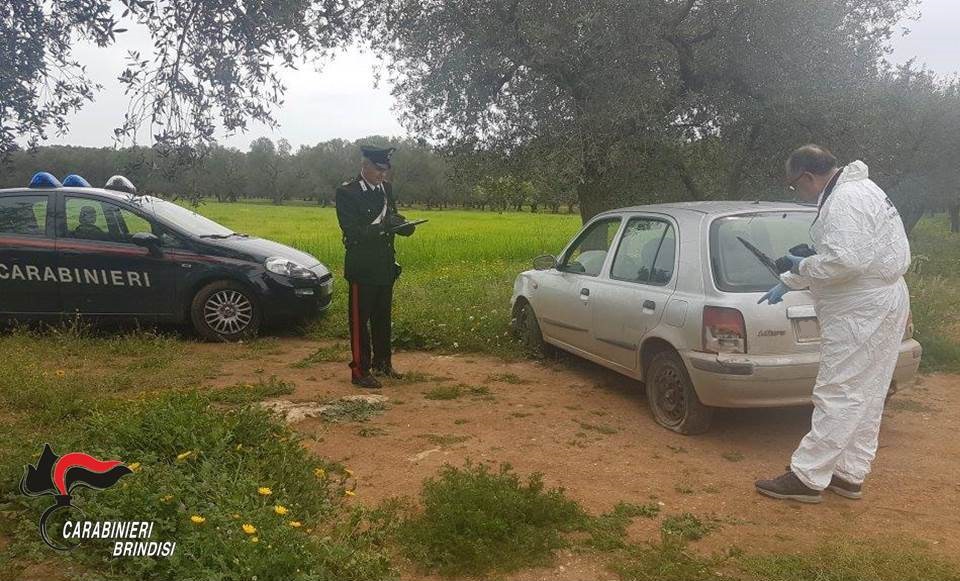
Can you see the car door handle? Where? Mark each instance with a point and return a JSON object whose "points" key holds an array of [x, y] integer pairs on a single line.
{"points": [[584, 292], [649, 305]]}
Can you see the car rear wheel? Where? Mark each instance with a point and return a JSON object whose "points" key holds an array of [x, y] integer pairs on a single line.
{"points": [[672, 398], [526, 328], [225, 311]]}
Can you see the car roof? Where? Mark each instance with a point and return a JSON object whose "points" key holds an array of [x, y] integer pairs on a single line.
{"points": [[108, 194], [717, 207]]}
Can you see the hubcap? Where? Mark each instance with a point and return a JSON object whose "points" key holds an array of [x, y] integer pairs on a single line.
{"points": [[228, 312], [670, 396]]}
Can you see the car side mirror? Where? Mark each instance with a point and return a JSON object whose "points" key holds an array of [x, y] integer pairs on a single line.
{"points": [[148, 240], [545, 262]]}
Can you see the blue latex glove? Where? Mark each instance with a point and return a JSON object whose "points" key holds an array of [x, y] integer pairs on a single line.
{"points": [[775, 295], [789, 262]]}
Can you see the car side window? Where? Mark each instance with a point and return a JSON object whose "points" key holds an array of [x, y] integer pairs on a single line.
{"points": [[168, 240], [646, 252], [132, 224], [589, 252], [23, 215], [86, 220], [96, 220]]}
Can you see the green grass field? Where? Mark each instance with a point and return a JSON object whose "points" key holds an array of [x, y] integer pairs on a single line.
{"points": [[459, 270]]}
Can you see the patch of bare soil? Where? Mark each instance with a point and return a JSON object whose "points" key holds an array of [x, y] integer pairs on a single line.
{"points": [[589, 431]]}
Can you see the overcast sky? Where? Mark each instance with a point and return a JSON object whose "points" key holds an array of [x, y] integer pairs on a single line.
{"points": [[341, 100]]}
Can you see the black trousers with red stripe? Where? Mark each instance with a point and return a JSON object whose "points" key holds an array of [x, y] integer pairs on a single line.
{"points": [[369, 315]]}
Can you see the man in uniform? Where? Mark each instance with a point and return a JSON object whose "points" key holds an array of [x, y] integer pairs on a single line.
{"points": [[367, 212]]}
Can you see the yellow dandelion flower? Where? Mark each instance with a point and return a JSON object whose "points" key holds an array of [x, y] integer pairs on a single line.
{"points": [[319, 473], [254, 540], [60, 373], [166, 498], [135, 467], [349, 493], [197, 519], [264, 491], [281, 510], [249, 528], [184, 455], [296, 524]]}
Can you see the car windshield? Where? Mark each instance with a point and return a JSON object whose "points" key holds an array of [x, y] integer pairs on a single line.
{"points": [[735, 268], [181, 217]]}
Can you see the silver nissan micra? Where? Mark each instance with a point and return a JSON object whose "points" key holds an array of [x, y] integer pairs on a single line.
{"points": [[667, 294]]}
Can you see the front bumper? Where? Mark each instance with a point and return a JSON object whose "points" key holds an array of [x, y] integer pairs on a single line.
{"points": [[286, 298], [774, 380]]}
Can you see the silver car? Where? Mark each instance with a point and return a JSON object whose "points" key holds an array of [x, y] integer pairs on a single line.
{"points": [[667, 294]]}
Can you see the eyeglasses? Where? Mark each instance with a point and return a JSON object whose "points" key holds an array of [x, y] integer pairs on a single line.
{"points": [[793, 184]]}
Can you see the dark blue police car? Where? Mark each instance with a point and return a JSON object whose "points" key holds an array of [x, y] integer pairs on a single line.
{"points": [[102, 254]]}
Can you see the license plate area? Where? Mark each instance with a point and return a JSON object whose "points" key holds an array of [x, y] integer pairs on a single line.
{"points": [[807, 330], [806, 327]]}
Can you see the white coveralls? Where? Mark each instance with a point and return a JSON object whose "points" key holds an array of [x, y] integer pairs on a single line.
{"points": [[862, 303]]}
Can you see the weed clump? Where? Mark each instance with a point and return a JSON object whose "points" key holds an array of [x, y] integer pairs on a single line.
{"points": [[476, 522]]}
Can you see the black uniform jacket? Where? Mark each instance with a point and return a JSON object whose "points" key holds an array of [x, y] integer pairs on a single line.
{"points": [[370, 256]]}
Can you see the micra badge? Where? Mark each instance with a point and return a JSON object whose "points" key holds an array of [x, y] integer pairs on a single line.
{"points": [[771, 333]]}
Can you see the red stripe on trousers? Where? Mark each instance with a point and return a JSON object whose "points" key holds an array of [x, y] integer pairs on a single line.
{"points": [[355, 329]]}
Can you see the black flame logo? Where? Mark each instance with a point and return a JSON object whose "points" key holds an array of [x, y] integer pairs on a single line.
{"points": [[59, 475]]}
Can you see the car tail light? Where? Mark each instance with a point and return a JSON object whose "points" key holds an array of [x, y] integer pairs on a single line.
{"points": [[724, 330], [908, 330]]}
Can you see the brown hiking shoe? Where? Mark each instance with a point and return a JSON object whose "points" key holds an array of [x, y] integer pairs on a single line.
{"points": [[845, 489], [788, 487]]}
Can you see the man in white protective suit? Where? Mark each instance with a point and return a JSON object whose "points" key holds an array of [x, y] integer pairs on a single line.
{"points": [[862, 303]]}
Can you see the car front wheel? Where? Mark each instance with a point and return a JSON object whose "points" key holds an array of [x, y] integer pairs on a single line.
{"points": [[672, 398], [225, 311], [526, 328]]}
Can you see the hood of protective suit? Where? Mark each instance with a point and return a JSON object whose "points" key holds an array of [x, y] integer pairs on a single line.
{"points": [[854, 172]]}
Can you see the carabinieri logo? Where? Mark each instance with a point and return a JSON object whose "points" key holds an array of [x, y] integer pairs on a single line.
{"points": [[60, 475]]}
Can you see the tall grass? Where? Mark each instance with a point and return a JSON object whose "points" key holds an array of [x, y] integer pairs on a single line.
{"points": [[935, 293], [459, 270]]}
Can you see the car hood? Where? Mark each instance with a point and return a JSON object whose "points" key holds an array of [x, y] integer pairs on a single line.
{"points": [[260, 249]]}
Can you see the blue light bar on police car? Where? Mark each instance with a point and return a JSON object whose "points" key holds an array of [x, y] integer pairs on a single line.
{"points": [[44, 179], [75, 181]]}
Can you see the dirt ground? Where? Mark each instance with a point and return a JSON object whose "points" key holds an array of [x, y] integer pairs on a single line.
{"points": [[589, 431]]}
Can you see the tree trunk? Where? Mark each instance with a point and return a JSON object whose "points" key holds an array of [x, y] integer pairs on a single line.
{"points": [[735, 178], [955, 218], [594, 197], [911, 217]]}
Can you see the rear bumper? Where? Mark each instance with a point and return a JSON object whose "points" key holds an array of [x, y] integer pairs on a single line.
{"points": [[773, 381]]}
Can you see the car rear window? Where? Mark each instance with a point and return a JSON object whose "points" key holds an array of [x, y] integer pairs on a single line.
{"points": [[735, 268]]}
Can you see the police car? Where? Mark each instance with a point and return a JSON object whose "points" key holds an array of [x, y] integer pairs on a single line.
{"points": [[70, 249]]}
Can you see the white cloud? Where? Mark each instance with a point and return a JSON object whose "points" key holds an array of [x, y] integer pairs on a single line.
{"points": [[338, 101]]}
